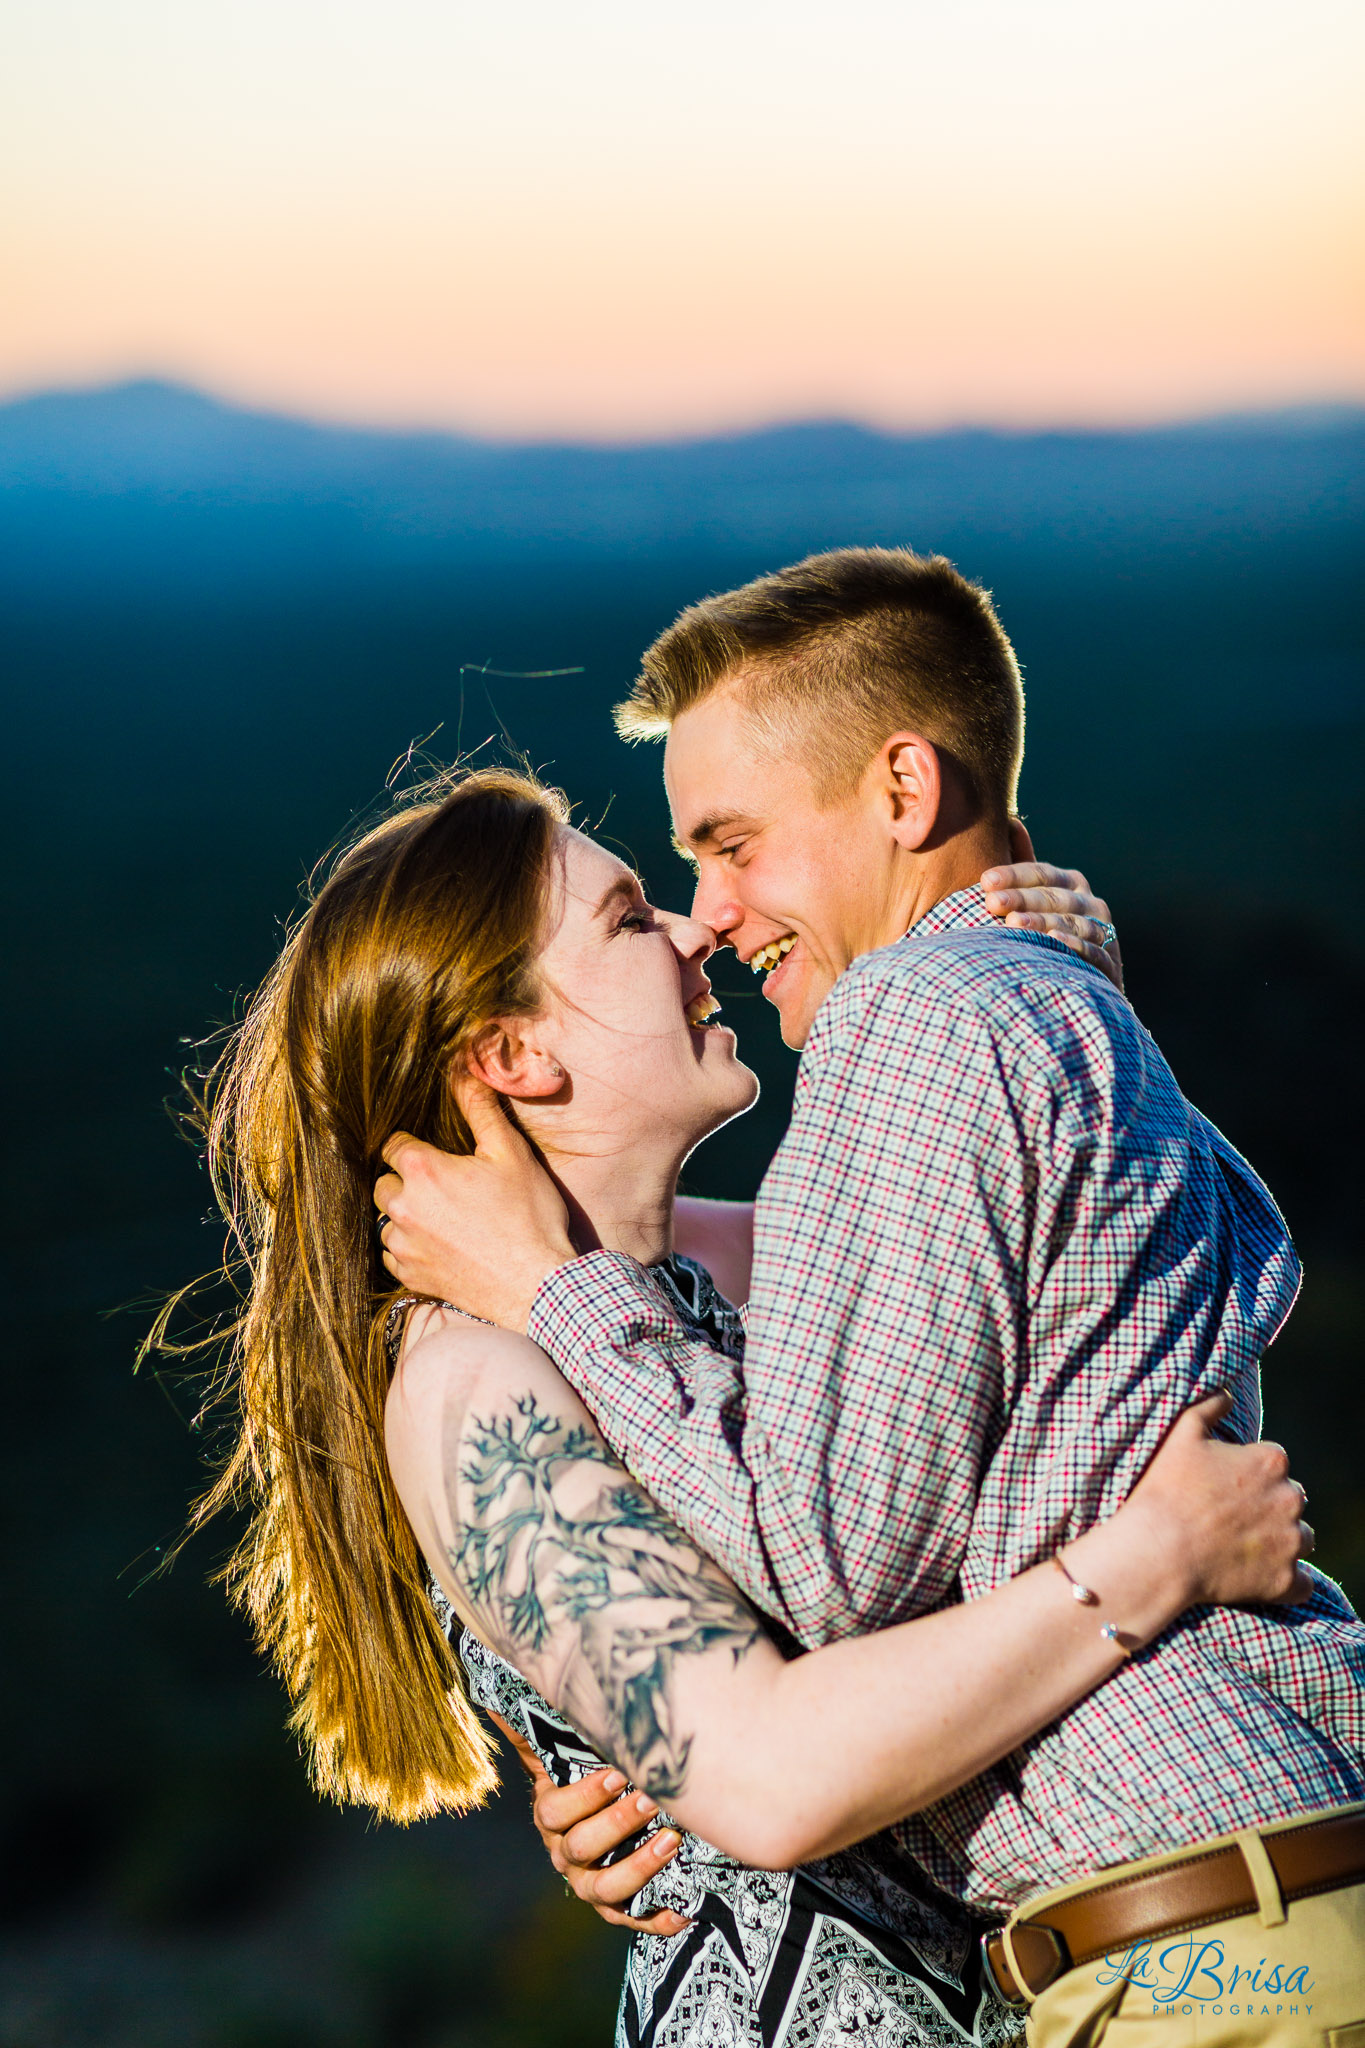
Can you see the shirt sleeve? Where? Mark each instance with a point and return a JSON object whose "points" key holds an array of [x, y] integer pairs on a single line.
{"points": [[834, 1473]]}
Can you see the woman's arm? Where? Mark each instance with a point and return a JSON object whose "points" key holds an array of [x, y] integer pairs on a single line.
{"points": [[719, 1236], [559, 1560]]}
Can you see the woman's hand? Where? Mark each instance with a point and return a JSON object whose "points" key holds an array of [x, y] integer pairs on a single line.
{"points": [[1034, 897], [1231, 1511]]}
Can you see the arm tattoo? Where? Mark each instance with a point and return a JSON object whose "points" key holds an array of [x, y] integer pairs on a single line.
{"points": [[563, 1558]]}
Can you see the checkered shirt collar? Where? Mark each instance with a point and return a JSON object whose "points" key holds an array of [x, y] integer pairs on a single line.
{"points": [[962, 911]]}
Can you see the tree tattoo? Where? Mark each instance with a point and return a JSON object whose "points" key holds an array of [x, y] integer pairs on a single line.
{"points": [[564, 1554]]}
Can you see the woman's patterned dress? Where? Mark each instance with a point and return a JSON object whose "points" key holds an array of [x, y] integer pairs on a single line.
{"points": [[859, 1948]]}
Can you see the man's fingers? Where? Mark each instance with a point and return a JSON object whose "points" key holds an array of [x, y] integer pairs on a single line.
{"points": [[387, 1189], [560, 1807], [619, 1882], [400, 1146], [588, 1841], [582, 1822], [663, 1922], [481, 1108]]}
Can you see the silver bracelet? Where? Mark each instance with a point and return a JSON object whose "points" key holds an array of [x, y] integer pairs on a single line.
{"points": [[1086, 1598]]}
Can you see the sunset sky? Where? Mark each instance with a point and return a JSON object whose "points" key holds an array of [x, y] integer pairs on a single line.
{"points": [[613, 220]]}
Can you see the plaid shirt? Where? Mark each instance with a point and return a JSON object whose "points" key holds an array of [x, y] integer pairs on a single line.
{"points": [[996, 1255]]}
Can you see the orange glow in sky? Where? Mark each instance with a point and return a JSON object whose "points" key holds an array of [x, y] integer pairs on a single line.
{"points": [[611, 220]]}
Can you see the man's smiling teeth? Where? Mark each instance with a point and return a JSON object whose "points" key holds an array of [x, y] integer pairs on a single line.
{"points": [[768, 956], [702, 1008]]}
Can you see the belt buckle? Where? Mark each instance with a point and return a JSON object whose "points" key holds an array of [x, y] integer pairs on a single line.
{"points": [[1039, 1972], [997, 1989]]}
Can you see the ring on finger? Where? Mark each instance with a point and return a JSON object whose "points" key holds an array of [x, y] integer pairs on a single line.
{"points": [[1107, 933]]}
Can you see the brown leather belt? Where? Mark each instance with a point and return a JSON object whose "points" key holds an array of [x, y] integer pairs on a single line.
{"points": [[1208, 1885]]}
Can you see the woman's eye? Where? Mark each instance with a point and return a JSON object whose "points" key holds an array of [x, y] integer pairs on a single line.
{"points": [[637, 920]]}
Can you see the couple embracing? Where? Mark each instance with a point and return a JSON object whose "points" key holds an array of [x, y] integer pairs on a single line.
{"points": [[884, 1584]]}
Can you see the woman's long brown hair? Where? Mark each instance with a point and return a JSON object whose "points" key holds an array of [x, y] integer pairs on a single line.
{"points": [[426, 929]]}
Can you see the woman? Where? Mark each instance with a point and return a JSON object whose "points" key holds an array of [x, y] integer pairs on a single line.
{"points": [[479, 935]]}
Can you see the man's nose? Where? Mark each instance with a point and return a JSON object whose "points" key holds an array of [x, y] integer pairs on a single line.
{"points": [[715, 906]]}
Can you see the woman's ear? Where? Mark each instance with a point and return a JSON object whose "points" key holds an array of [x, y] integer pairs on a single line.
{"points": [[505, 1060]]}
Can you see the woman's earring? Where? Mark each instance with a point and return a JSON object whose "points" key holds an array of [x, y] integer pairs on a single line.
{"points": [[558, 1072]]}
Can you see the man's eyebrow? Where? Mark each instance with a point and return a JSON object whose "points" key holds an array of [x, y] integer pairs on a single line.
{"points": [[624, 885], [707, 829]]}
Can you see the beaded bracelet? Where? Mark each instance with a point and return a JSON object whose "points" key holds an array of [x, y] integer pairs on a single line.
{"points": [[1082, 1594]]}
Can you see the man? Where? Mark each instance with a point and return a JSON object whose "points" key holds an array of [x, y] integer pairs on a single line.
{"points": [[994, 1257]]}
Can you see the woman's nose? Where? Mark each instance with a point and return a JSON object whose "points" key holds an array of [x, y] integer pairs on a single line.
{"points": [[692, 939]]}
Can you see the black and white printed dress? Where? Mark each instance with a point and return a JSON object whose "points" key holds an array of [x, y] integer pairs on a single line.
{"points": [[859, 1948]]}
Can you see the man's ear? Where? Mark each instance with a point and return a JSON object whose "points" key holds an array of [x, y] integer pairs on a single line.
{"points": [[909, 775], [503, 1059], [1021, 845]]}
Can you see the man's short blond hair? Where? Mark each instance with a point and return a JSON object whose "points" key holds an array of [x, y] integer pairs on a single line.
{"points": [[850, 646]]}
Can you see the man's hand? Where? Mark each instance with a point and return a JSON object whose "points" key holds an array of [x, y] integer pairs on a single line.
{"points": [[480, 1232], [1034, 897], [579, 1824]]}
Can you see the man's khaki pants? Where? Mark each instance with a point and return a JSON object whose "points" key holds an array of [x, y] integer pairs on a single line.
{"points": [[1281, 1978]]}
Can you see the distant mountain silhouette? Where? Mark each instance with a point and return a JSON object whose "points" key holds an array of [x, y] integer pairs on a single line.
{"points": [[150, 434], [1195, 580], [785, 488]]}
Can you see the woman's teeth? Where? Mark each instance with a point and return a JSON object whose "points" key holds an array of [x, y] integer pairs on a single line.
{"points": [[702, 1008], [767, 957]]}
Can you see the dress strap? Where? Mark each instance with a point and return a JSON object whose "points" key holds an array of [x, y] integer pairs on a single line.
{"points": [[397, 1315], [393, 1324]]}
